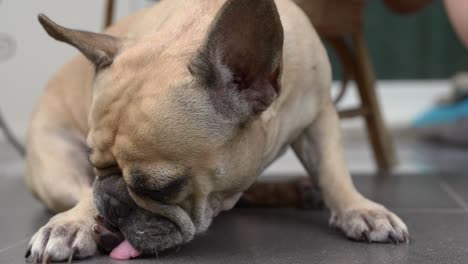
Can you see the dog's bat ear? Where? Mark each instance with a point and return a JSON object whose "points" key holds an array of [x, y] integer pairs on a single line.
{"points": [[242, 52], [98, 48]]}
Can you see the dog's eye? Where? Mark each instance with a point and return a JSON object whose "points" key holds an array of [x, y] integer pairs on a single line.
{"points": [[106, 167], [163, 194], [107, 171]]}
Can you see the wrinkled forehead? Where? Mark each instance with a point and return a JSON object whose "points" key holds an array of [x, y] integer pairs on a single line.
{"points": [[164, 124], [140, 72], [164, 119]]}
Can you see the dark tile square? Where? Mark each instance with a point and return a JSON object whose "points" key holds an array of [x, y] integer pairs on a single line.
{"points": [[407, 192], [21, 215], [459, 185]]}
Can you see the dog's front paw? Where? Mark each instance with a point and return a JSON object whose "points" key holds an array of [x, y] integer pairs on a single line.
{"points": [[64, 237], [371, 224]]}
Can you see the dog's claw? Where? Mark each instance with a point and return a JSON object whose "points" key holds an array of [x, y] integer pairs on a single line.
{"points": [[406, 237], [36, 259], [28, 252], [366, 237], [72, 255], [393, 238], [46, 259]]}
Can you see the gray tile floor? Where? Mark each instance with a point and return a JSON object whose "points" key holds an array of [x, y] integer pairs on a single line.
{"points": [[434, 204]]}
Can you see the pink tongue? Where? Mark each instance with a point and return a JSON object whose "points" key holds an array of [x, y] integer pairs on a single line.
{"points": [[124, 251]]}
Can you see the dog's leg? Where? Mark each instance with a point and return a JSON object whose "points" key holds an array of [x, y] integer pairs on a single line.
{"points": [[60, 175], [358, 217], [283, 193]]}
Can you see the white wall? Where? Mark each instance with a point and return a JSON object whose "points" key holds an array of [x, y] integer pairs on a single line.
{"points": [[23, 77]]}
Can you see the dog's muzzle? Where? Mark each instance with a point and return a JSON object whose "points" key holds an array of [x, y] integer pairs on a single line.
{"points": [[121, 218]]}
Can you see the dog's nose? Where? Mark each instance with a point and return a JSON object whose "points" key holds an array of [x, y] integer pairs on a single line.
{"points": [[112, 200], [115, 208]]}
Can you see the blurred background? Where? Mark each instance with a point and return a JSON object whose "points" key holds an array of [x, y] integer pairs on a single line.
{"points": [[414, 57]]}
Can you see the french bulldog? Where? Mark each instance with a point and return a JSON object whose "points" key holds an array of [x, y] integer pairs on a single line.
{"points": [[171, 114]]}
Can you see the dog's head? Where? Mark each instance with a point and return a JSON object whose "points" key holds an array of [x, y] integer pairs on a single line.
{"points": [[171, 128]]}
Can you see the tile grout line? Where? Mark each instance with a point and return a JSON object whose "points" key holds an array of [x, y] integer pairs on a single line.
{"points": [[432, 210], [455, 196], [14, 245]]}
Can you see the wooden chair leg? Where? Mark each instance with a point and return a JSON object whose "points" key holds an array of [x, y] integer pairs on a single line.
{"points": [[109, 15], [381, 142]]}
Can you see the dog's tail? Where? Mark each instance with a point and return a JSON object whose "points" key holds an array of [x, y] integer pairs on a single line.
{"points": [[11, 138]]}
